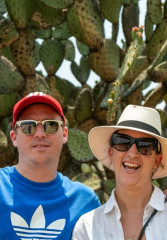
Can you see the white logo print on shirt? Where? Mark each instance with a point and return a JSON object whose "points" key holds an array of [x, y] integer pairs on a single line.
{"points": [[37, 229]]}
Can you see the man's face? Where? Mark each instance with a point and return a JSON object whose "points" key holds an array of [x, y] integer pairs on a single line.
{"points": [[39, 149], [131, 167]]}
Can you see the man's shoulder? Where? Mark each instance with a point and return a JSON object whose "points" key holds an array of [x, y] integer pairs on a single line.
{"points": [[79, 190], [6, 171]]}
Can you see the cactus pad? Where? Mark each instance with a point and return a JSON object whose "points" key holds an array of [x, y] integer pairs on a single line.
{"points": [[82, 71], [58, 4], [105, 62], [85, 23], [12, 79], [83, 105], [52, 61], [111, 9], [20, 11], [78, 145]]}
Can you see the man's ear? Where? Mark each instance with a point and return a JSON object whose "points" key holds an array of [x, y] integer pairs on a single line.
{"points": [[13, 138], [65, 134]]}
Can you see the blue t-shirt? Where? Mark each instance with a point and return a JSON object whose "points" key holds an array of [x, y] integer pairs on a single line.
{"points": [[46, 211]]}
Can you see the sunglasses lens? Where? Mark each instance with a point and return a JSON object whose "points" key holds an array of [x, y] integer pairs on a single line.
{"points": [[146, 146], [50, 127], [121, 143], [28, 127]]}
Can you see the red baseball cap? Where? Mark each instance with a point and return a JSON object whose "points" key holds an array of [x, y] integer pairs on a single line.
{"points": [[32, 98]]}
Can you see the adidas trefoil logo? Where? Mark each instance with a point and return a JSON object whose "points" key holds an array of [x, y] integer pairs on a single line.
{"points": [[37, 229]]}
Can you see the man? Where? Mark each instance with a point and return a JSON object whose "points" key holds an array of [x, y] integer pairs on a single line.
{"points": [[137, 152], [37, 202]]}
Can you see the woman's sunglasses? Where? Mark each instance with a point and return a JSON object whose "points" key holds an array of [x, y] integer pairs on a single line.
{"points": [[29, 127], [145, 146]]}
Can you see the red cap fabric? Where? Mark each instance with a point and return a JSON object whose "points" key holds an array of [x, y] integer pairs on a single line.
{"points": [[32, 98]]}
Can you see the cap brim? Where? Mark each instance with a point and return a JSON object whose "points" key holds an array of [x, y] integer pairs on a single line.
{"points": [[25, 102]]}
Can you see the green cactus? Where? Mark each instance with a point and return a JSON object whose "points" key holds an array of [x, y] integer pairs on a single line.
{"points": [[111, 9], [105, 62], [78, 146], [130, 19], [12, 79], [83, 106], [58, 4], [6, 103], [154, 11], [158, 38], [8, 33], [82, 71], [22, 50], [85, 23], [20, 11], [45, 17], [52, 61]]}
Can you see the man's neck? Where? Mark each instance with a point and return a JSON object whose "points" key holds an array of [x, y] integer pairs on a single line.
{"points": [[39, 174]]}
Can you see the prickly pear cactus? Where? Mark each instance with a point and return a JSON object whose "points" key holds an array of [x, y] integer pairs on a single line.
{"points": [[49, 33]]}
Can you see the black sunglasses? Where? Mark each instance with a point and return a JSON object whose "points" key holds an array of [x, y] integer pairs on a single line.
{"points": [[122, 143], [28, 127]]}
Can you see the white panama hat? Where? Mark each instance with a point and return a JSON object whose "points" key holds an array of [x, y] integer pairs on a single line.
{"points": [[137, 118]]}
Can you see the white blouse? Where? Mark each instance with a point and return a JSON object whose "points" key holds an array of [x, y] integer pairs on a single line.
{"points": [[103, 223]]}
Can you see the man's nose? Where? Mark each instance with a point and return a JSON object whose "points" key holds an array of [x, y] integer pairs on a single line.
{"points": [[40, 131]]}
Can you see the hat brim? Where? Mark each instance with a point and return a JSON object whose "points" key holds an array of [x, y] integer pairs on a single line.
{"points": [[99, 138]]}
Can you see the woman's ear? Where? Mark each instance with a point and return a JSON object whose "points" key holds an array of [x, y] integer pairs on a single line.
{"points": [[110, 152], [158, 160]]}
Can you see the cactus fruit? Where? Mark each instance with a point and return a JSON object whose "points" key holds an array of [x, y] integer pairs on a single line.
{"points": [[78, 146], [52, 61], [85, 23]]}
